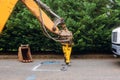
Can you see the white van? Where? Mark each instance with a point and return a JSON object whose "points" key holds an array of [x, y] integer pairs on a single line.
{"points": [[116, 41]]}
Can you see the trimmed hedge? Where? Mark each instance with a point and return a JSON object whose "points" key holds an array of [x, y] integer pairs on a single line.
{"points": [[91, 22]]}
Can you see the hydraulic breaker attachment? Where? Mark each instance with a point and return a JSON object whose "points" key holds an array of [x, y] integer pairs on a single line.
{"points": [[67, 52], [24, 54]]}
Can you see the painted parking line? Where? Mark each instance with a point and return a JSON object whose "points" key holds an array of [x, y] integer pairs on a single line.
{"points": [[38, 67]]}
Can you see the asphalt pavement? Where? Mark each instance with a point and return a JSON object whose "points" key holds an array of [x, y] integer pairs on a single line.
{"points": [[54, 69]]}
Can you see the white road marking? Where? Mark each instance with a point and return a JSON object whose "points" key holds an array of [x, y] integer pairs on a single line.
{"points": [[47, 70], [36, 69]]}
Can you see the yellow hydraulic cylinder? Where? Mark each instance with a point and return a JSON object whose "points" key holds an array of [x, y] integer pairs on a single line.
{"points": [[67, 52]]}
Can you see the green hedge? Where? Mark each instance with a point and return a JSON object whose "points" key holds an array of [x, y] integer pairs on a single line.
{"points": [[91, 22]]}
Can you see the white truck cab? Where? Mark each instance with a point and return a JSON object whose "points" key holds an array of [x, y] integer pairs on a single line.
{"points": [[116, 41]]}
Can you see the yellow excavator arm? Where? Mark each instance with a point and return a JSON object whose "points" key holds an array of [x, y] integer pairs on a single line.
{"points": [[6, 8], [36, 7]]}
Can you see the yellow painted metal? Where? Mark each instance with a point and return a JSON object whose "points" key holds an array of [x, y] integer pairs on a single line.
{"points": [[67, 52], [38, 12], [6, 7]]}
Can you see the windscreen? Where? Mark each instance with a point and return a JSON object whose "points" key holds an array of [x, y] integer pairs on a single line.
{"points": [[114, 37]]}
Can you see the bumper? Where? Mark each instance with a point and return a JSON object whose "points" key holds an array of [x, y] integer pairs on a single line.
{"points": [[116, 49]]}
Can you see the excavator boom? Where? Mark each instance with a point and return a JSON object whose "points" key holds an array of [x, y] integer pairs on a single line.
{"points": [[40, 14], [6, 8], [37, 9]]}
